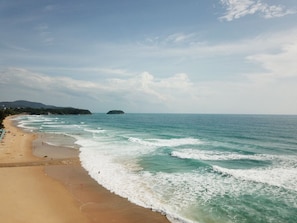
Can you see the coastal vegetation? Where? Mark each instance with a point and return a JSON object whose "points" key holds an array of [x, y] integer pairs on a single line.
{"points": [[2, 117], [34, 108]]}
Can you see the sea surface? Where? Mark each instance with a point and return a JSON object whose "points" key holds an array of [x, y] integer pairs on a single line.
{"points": [[193, 168]]}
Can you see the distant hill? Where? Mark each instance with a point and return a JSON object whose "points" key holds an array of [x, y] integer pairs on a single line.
{"points": [[36, 108], [24, 104]]}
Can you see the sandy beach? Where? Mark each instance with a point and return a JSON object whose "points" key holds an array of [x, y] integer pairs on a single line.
{"points": [[43, 183]]}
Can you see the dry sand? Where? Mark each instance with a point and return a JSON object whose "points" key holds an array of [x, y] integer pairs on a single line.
{"points": [[52, 187]]}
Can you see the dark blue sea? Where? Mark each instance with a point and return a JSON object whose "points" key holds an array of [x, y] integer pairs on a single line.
{"points": [[191, 167]]}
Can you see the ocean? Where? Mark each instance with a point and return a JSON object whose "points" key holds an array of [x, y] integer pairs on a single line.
{"points": [[192, 167]]}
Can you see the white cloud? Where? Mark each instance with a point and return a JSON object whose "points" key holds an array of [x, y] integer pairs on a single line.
{"points": [[247, 97], [15, 47], [147, 93], [278, 65], [264, 43], [158, 90], [42, 28], [50, 8], [23, 78], [45, 34], [179, 38], [276, 11], [142, 88], [174, 39], [274, 54], [236, 9], [114, 71]]}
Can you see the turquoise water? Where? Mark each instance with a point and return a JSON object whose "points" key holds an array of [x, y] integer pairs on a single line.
{"points": [[193, 168]]}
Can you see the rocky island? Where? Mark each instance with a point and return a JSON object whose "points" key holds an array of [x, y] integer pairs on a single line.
{"points": [[115, 112]]}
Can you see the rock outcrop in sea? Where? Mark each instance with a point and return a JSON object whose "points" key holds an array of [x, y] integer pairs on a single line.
{"points": [[115, 112]]}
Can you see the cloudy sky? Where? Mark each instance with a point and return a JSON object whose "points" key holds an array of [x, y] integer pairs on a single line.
{"points": [[172, 56]]}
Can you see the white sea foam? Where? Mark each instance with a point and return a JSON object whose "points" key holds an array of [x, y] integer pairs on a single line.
{"points": [[283, 172], [58, 126], [24, 126], [33, 122], [86, 143], [175, 142], [216, 155], [94, 131], [113, 176], [173, 193], [58, 144], [278, 176], [113, 146], [115, 167], [142, 188]]}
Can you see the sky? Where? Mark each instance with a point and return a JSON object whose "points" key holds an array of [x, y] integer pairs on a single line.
{"points": [[151, 56]]}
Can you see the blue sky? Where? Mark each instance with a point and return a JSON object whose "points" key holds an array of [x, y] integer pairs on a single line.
{"points": [[172, 56]]}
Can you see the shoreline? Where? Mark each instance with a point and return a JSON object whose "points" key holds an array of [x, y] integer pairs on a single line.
{"points": [[61, 182]]}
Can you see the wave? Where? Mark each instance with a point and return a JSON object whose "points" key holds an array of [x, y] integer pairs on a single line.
{"points": [[171, 193], [215, 156], [59, 145], [174, 142], [139, 187], [27, 128], [279, 176], [61, 126], [94, 131], [33, 118]]}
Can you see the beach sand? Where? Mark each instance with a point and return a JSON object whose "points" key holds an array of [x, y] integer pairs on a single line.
{"points": [[43, 183]]}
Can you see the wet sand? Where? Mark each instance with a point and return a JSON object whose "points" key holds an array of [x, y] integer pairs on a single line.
{"points": [[44, 183]]}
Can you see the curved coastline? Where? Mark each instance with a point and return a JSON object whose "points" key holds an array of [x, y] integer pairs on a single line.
{"points": [[61, 182]]}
